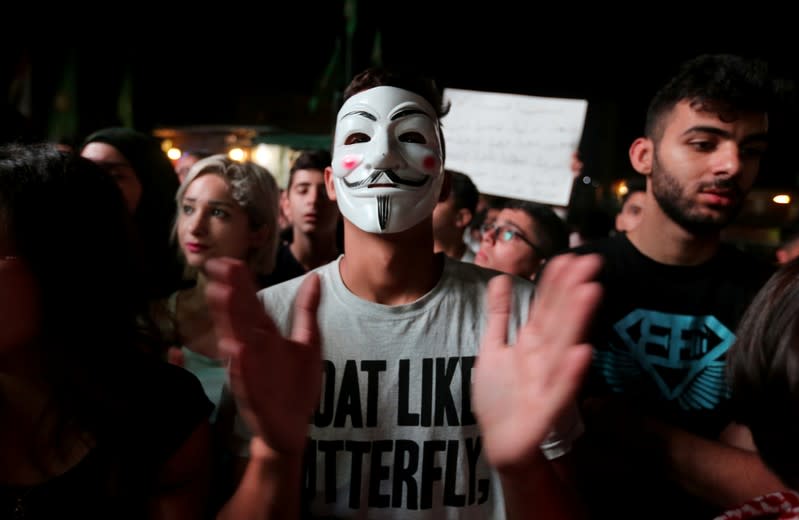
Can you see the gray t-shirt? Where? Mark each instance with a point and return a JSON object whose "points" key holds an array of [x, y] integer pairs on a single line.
{"points": [[394, 435]]}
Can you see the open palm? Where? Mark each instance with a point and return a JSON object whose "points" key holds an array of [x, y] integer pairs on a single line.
{"points": [[519, 392], [276, 380]]}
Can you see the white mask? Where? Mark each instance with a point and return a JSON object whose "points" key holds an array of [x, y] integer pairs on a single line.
{"points": [[387, 160]]}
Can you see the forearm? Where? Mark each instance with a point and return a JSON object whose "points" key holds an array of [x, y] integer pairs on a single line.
{"points": [[269, 488], [714, 471], [537, 491]]}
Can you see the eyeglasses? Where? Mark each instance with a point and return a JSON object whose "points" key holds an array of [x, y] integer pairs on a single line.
{"points": [[506, 234]]}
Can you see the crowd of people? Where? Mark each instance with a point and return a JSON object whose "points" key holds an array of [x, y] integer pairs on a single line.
{"points": [[184, 357]]}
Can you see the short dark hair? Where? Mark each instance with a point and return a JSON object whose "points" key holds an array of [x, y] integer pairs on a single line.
{"points": [[464, 191], [316, 159], [763, 366], [724, 84], [490, 202], [553, 234]]}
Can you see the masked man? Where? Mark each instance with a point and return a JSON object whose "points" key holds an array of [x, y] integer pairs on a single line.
{"points": [[394, 434]]}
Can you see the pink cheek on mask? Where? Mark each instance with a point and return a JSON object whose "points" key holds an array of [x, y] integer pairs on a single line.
{"points": [[430, 163], [349, 162]]}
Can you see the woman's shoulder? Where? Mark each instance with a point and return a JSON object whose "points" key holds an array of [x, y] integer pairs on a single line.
{"points": [[169, 383], [167, 313], [167, 405]]}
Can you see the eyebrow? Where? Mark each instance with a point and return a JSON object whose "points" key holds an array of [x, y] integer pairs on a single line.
{"points": [[509, 224], [362, 113], [760, 136], [210, 202], [408, 112]]}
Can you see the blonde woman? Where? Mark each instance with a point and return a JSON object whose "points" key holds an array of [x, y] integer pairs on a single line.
{"points": [[225, 209]]}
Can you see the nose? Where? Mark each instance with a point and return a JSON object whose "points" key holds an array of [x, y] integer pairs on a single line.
{"points": [[313, 197], [488, 236], [384, 156], [728, 159], [197, 223]]}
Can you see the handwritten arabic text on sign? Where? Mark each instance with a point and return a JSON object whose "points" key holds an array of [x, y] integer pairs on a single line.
{"points": [[512, 145]]}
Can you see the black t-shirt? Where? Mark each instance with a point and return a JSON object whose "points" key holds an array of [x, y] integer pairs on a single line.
{"points": [[660, 337], [662, 332], [115, 478], [286, 267]]}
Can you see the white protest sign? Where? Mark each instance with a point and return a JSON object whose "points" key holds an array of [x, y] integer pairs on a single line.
{"points": [[512, 145]]}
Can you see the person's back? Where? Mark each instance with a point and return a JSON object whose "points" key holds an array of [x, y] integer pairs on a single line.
{"points": [[673, 297], [92, 427]]}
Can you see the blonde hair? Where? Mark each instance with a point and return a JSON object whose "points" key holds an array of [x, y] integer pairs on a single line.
{"points": [[254, 189]]}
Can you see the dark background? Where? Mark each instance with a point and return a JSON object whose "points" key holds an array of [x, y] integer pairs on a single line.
{"points": [[284, 65]]}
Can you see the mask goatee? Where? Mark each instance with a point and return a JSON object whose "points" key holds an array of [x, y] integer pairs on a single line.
{"points": [[383, 210]]}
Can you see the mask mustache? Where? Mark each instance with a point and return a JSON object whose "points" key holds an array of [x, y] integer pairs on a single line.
{"points": [[391, 174]]}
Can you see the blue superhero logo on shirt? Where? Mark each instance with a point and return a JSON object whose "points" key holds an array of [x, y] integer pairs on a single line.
{"points": [[682, 355]]}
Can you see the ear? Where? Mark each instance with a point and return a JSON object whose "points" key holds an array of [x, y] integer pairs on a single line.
{"points": [[782, 256], [284, 201], [446, 186], [463, 218], [330, 187], [641, 152]]}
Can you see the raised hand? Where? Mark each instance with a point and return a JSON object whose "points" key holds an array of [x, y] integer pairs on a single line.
{"points": [[276, 380], [519, 392]]}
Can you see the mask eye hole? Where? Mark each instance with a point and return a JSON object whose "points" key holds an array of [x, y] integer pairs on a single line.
{"points": [[358, 137], [412, 137]]}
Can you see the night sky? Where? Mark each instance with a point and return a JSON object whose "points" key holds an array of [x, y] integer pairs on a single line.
{"points": [[260, 66]]}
